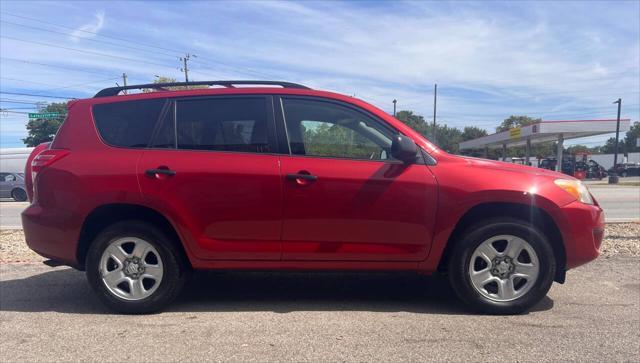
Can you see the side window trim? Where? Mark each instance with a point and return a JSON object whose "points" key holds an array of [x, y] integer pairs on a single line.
{"points": [[281, 121], [169, 106], [269, 112], [102, 138]]}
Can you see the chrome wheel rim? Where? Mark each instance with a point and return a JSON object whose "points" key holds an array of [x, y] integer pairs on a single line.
{"points": [[131, 268], [503, 268]]}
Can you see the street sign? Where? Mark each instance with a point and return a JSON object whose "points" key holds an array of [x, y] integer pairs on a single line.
{"points": [[46, 115]]}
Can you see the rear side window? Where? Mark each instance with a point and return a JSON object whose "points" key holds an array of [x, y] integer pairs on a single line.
{"points": [[223, 124], [128, 124]]}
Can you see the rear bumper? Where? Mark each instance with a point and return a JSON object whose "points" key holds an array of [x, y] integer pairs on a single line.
{"points": [[50, 234], [582, 228]]}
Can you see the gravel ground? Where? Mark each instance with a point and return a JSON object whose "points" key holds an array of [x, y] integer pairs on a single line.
{"points": [[621, 239]]}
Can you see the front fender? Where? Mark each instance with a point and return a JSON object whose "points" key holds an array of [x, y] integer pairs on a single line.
{"points": [[463, 187]]}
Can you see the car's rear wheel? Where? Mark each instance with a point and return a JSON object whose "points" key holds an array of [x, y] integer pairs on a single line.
{"points": [[135, 268], [503, 266], [19, 195]]}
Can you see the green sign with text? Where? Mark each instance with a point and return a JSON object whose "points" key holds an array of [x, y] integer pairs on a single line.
{"points": [[46, 115]]}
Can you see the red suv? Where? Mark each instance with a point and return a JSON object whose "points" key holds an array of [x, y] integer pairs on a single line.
{"points": [[139, 189]]}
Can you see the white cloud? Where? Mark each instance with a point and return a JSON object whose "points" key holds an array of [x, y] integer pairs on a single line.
{"points": [[89, 30], [542, 59]]}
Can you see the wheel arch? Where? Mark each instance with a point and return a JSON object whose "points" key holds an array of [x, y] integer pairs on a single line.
{"points": [[108, 214], [534, 215]]}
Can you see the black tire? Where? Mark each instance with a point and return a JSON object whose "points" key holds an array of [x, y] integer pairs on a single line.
{"points": [[477, 234], [19, 195], [175, 270]]}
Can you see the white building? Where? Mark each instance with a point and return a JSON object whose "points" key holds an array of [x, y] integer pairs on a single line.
{"points": [[14, 160]]}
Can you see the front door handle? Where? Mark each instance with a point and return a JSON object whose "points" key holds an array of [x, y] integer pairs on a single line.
{"points": [[302, 178], [160, 171], [307, 177]]}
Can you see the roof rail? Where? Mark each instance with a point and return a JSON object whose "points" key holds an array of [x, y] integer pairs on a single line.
{"points": [[114, 91]]}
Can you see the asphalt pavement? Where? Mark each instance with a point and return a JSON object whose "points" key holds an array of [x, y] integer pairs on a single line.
{"points": [[50, 314], [620, 203], [10, 213]]}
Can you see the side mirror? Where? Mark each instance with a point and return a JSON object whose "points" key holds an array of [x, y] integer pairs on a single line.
{"points": [[404, 149]]}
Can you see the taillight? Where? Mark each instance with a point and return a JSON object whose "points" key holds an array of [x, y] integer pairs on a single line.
{"points": [[46, 158]]}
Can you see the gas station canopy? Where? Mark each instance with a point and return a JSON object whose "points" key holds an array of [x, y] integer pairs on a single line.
{"points": [[544, 131]]}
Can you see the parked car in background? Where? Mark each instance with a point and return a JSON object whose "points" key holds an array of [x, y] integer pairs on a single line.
{"points": [[139, 189], [626, 169], [12, 186], [591, 168], [579, 169]]}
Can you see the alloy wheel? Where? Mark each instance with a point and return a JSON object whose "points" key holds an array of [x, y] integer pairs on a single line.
{"points": [[131, 268], [503, 268]]}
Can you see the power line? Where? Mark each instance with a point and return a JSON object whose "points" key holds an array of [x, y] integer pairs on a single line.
{"points": [[8, 100], [19, 112], [52, 66], [235, 68], [86, 51], [83, 84], [56, 86], [577, 109], [23, 80], [89, 32], [35, 95], [89, 39]]}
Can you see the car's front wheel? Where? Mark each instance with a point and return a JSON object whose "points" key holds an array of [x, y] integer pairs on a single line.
{"points": [[502, 266], [135, 268]]}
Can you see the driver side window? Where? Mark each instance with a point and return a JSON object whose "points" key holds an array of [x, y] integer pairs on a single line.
{"points": [[325, 129]]}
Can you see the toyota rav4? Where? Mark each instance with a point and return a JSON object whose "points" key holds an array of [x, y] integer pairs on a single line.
{"points": [[140, 189]]}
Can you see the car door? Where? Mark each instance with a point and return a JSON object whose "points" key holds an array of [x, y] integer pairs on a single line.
{"points": [[5, 190], [212, 166], [345, 197]]}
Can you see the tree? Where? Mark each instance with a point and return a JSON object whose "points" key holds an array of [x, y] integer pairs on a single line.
{"points": [[171, 80], [626, 144], [448, 137], [516, 121], [630, 140], [414, 121], [574, 149], [473, 132], [43, 130]]}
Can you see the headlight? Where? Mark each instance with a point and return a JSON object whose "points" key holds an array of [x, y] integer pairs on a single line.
{"points": [[576, 189]]}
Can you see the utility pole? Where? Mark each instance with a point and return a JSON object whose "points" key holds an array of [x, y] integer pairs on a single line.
{"points": [[394, 107], [613, 178], [124, 81], [185, 67], [435, 100]]}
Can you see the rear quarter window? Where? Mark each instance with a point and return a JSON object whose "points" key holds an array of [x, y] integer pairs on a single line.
{"points": [[129, 123]]}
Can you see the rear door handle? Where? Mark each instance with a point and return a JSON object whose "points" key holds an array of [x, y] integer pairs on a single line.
{"points": [[307, 177], [154, 172]]}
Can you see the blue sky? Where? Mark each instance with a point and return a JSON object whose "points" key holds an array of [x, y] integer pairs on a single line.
{"points": [[554, 60]]}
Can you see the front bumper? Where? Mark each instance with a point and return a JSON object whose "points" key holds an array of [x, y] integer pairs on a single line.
{"points": [[582, 228]]}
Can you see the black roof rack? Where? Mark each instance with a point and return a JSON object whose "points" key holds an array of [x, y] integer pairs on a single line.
{"points": [[114, 91]]}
